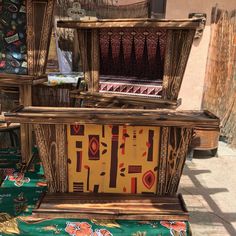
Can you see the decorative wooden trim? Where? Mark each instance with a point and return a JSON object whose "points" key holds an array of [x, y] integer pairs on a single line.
{"points": [[30, 37], [163, 160], [167, 63], [51, 141], [174, 66], [95, 61], [45, 36], [50, 115], [173, 151], [117, 23], [37, 66]]}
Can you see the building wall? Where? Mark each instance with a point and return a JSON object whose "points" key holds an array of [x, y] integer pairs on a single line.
{"points": [[193, 83]]}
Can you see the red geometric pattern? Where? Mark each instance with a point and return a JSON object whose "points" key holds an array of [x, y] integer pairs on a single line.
{"points": [[93, 151], [132, 52], [77, 129], [148, 179]]}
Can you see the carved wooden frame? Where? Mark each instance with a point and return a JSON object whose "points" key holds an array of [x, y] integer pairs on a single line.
{"points": [[180, 32], [37, 65]]}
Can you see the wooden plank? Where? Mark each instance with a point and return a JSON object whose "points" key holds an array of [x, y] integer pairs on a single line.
{"points": [[26, 129], [17, 80], [111, 206], [130, 23], [121, 100], [95, 60], [50, 115]]}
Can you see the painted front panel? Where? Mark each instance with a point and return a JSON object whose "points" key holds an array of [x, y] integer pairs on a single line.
{"points": [[13, 50], [113, 159]]}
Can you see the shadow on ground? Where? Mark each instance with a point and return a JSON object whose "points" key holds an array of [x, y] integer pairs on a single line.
{"points": [[206, 212]]}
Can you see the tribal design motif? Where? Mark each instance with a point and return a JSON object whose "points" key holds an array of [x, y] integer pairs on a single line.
{"points": [[112, 158]]}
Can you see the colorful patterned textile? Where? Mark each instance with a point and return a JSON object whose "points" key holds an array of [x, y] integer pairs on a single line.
{"points": [[9, 159], [19, 193], [20, 200], [132, 52], [24, 226], [113, 159], [13, 51], [126, 87]]}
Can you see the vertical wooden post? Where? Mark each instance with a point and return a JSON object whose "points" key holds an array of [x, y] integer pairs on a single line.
{"points": [[26, 129], [89, 47], [95, 60]]}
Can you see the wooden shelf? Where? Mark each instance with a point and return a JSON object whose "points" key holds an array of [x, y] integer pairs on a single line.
{"points": [[129, 23], [112, 206], [17, 80], [163, 117], [112, 100]]}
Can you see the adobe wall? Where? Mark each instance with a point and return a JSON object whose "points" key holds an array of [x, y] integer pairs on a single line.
{"points": [[193, 84]]}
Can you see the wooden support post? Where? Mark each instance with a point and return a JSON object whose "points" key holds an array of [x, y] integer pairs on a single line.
{"points": [[95, 61], [26, 129]]}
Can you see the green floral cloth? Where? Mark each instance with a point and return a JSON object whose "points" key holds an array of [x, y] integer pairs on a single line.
{"points": [[19, 194], [74, 227]]}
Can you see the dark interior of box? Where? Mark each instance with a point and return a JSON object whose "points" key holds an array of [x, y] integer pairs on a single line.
{"points": [[132, 59], [136, 54]]}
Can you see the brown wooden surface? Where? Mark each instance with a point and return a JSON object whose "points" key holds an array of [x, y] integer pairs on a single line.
{"points": [[205, 139], [174, 145], [180, 34], [26, 129], [54, 115], [112, 206], [51, 141], [127, 101], [117, 23], [17, 80]]}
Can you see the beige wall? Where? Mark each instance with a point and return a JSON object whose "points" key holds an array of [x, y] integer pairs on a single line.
{"points": [[192, 87]]}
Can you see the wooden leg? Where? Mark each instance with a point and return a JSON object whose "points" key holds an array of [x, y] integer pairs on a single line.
{"points": [[26, 129]]}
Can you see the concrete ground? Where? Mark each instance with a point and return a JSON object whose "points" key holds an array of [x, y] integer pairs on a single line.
{"points": [[208, 186]]}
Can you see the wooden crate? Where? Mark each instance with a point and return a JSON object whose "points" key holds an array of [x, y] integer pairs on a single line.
{"points": [[145, 56], [111, 151]]}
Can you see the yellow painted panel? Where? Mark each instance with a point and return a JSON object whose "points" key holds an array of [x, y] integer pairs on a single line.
{"points": [[113, 159]]}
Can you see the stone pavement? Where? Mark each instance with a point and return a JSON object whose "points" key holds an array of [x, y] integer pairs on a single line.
{"points": [[208, 186]]}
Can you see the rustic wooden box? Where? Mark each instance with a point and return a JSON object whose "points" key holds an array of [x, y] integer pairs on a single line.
{"points": [[94, 156], [143, 58]]}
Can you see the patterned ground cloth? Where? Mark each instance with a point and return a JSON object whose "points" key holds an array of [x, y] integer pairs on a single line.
{"points": [[73, 227], [19, 194]]}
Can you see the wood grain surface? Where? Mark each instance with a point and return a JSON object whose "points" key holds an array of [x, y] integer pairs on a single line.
{"points": [[112, 206]]}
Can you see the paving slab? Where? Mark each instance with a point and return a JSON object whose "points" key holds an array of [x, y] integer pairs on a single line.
{"points": [[208, 186]]}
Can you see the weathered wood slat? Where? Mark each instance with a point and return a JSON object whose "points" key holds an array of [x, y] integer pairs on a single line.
{"points": [[46, 115], [111, 206], [121, 100], [117, 23], [16, 80]]}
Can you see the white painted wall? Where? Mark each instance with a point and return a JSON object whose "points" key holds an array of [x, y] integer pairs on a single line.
{"points": [[193, 83]]}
